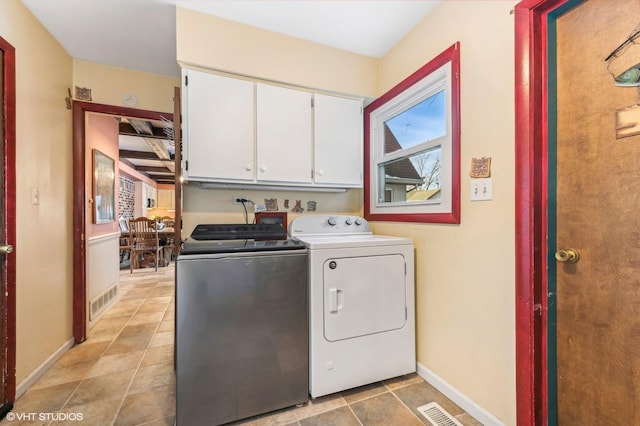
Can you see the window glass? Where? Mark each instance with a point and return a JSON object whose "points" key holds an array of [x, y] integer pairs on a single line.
{"points": [[418, 124], [413, 179]]}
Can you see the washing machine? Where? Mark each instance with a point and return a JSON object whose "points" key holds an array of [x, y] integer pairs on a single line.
{"points": [[361, 303]]}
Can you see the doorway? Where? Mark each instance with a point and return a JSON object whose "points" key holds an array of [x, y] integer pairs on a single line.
{"points": [[7, 227], [80, 198], [578, 337]]}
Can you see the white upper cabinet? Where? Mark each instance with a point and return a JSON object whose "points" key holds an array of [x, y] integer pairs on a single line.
{"points": [[219, 116], [284, 134], [238, 131], [337, 141]]}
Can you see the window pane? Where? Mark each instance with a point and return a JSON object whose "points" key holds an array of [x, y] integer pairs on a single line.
{"points": [[411, 179], [421, 123]]}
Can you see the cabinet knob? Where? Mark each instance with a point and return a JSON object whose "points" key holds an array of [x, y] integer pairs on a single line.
{"points": [[263, 169], [320, 172], [248, 167]]}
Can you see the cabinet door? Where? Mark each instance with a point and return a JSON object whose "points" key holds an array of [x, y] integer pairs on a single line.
{"points": [[166, 199], [219, 116], [284, 135], [338, 141]]}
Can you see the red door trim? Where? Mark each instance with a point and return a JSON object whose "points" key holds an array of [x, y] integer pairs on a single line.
{"points": [[531, 208], [79, 217], [9, 107]]}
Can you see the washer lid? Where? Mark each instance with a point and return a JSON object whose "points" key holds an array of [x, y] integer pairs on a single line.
{"points": [[348, 241]]}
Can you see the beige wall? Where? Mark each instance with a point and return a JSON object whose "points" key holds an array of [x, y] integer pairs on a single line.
{"points": [[227, 46], [44, 161], [465, 273], [110, 85], [216, 205]]}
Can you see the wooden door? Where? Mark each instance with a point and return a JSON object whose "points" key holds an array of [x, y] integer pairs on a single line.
{"points": [[7, 227], [598, 203]]}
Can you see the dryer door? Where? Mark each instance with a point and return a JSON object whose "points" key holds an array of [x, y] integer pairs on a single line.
{"points": [[363, 295]]}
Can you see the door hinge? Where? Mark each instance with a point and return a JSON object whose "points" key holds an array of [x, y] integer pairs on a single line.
{"points": [[186, 80], [311, 174], [311, 102], [186, 165], [406, 313]]}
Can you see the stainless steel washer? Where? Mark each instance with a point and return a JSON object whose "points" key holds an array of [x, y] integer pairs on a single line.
{"points": [[241, 325]]}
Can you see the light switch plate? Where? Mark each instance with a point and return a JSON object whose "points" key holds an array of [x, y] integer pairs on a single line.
{"points": [[35, 196], [481, 189]]}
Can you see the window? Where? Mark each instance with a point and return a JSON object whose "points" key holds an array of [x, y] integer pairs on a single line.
{"points": [[412, 146]]}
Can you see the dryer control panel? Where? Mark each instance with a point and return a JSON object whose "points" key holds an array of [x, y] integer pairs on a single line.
{"points": [[329, 225]]}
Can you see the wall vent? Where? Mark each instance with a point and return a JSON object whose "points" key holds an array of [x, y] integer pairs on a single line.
{"points": [[438, 416], [102, 301]]}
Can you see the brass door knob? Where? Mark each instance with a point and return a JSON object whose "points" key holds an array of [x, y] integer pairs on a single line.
{"points": [[568, 255], [6, 249]]}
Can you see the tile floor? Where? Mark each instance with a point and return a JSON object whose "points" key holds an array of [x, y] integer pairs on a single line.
{"points": [[123, 375]]}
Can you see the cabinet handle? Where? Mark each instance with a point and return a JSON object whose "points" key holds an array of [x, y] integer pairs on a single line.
{"points": [[263, 169]]}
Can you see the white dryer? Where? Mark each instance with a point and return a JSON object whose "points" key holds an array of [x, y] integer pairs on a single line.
{"points": [[362, 303]]}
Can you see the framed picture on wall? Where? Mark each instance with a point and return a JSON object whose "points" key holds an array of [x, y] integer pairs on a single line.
{"points": [[104, 175], [272, 217]]}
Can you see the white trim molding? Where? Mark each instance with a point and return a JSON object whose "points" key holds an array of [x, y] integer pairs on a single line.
{"points": [[464, 402], [40, 370]]}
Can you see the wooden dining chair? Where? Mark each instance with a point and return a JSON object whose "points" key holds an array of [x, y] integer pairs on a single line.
{"points": [[170, 246], [144, 240]]}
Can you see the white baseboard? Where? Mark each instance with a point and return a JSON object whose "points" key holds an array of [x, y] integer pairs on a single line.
{"points": [[38, 372], [468, 405]]}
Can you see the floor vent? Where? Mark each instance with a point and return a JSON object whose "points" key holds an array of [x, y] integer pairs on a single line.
{"points": [[100, 302], [438, 416]]}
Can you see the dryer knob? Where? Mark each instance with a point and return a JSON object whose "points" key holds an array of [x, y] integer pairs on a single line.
{"points": [[332, 221], [358, 222], [348, 221]]}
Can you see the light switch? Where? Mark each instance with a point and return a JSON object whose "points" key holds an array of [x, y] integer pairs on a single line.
{"points": [[35, 196], [481, 189]]}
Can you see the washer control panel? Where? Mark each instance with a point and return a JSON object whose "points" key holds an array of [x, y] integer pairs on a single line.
{"points": [[329, 225]]}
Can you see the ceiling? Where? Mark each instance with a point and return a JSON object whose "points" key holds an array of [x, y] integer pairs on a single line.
{"points": [[147, 146], [141, 35]]}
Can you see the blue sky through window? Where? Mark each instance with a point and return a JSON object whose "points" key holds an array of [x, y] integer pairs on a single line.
{"points": [[420, 123]]}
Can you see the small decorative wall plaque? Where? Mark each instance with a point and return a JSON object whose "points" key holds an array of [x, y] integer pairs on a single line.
{"points": [[480, 168], [298, 207], [311, 206], [83, 93], [271, 204]]}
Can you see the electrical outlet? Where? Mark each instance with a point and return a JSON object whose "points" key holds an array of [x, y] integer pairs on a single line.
{"points": [[238, 200]]}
